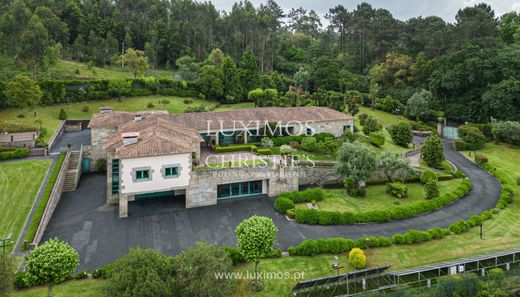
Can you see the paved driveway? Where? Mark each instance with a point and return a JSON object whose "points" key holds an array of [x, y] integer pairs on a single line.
{"points": [[90, 226], [75, 139]]}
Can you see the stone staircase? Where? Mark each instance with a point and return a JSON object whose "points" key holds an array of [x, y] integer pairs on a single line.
{"points": [[73, 172]]}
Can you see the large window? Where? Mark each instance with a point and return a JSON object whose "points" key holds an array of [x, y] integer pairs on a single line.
{"points": [[242, 189], [171, 171], [142, 175]]}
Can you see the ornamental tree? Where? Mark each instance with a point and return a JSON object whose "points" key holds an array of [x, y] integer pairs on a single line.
{"points": [[419, 105], [51, 263], [394, 166], [401, 133], [356, 161], [22, 92], [432, 151], [136, 61], [255, 239], [196, 270]]}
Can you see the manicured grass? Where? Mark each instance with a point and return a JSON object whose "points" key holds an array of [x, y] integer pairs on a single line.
{"points": [[376, 198], [385, 118], [49, 114], [83, 288], [68, 70], [303, 155], [40, 209], [19, 185]]}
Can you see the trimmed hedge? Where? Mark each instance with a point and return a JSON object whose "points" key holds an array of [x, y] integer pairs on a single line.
{"points": [[278, 141], [304, 196], [38, 214], [14, 154], [283, 204], [235, 148], [60, 91], [410, 236], [320, 217]]}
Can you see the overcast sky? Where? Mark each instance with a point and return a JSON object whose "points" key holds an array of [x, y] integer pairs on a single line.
{"points": [[401, 9]]}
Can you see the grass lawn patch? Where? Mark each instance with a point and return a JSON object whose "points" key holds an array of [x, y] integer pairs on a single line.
{"points": [[376, 198], [84, 288], [385, 118], [64, 70], [40, 208], [49, 114], [19, 185]]}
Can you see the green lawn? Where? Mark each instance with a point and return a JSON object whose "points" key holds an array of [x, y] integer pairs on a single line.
{"points": [[19, 184], [385, 118], [49, 114], [83, 288], [69, 70], [376, 198]]}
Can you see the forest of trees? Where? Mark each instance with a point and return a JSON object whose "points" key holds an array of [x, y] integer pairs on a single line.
{"points": [[469, 68]]}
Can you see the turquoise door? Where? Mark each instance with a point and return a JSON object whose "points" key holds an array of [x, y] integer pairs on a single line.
{"points": [[85, 165]]}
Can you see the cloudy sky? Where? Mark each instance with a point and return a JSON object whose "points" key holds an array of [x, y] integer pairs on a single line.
{"points": [[401, 9]]}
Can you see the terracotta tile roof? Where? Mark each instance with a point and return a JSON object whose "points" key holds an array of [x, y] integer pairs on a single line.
{"points": [[153, 143], [116, 118], [200, 120], [156, 136]]}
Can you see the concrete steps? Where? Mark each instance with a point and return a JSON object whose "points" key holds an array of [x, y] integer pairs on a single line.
{"points": [[70, 183]]}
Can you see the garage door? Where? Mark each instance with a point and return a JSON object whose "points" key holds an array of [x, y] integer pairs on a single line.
{"points": [[242, 189], [154, 195]]}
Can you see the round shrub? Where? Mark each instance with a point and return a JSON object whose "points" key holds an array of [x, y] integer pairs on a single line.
{"points": [[428, 175], [432, 151], [481, 159], [309, 144], [384, 241], [377, 138], [474, 139], [282, 205], [397, 189], [431, 188], [85, 108], [357, 258], [401, 133]]}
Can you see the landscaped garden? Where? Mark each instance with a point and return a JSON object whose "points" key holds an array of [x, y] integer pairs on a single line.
{"points": [[20, 182], [376, 198]]}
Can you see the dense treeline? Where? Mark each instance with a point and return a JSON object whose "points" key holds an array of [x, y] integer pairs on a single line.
{"points": [[470, 67]]}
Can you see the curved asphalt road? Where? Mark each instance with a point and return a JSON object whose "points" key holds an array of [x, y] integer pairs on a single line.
{"points": [[484, 194], [93, 228]]}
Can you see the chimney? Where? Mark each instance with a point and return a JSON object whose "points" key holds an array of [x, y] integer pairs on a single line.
{"points": [[130, 138], [104, 109], [137, 117]]}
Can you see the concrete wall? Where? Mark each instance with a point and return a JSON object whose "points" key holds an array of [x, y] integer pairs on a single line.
{"points": [[53, 201], [202, 190], [157, 181]]}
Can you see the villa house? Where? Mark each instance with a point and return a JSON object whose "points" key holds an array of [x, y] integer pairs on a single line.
{"points": [[153, 154]]}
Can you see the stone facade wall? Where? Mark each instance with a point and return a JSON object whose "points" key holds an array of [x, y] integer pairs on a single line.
{"points": [[334, 127], [202, 190], [98, 137], [53, 201]]}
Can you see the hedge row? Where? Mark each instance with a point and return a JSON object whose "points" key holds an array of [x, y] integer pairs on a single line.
{"points": [[238, 258], [59, 91], [309, 195], [243, 147], [312, 247], [14, 154], [38, 214], [320, 217]]}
